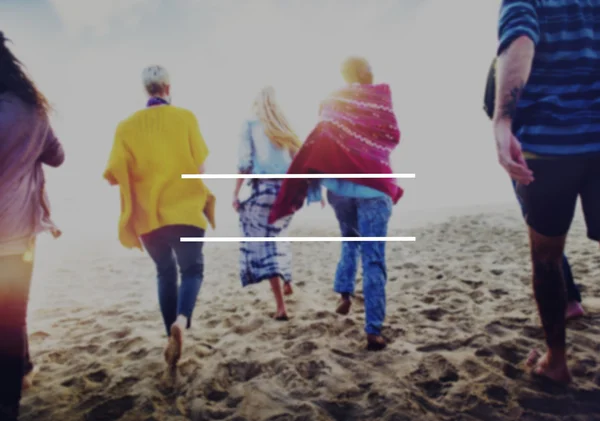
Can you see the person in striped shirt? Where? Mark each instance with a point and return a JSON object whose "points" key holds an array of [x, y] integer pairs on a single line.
{"points": [[574, 307], [547, 129]]}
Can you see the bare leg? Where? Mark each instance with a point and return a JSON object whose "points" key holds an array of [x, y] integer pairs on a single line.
{"points": [[287, 288], [29, 377], [550, 294], [276, 287]]}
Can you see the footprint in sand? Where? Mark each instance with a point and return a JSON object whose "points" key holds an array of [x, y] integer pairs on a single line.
{"points": [[435, 375], [303, 349], [497, 393], [111, 410], [434, 314], [496, 329], [251, 326], [510, 352], [429, 300], [98, 376], [472, 284], [138, 354], [238, 371], [126, 345], [312, 369], [498, 293], [121, 333], [473, 369]]}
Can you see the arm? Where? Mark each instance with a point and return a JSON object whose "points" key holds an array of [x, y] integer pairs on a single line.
{"points": [[198, 145], [315, 193], [238, 187], [53, 154], [116, 160], [245, 158], [513, 70], [518, 34]]}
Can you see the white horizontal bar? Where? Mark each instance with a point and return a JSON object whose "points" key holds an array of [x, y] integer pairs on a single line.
{"points": [[292, 239], [285, 176]]}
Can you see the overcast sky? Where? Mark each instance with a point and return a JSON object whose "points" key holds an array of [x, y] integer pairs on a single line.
{"points": [[87, 56]]}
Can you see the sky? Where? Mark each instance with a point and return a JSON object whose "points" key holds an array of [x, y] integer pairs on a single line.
{"points": [[87, 57]]}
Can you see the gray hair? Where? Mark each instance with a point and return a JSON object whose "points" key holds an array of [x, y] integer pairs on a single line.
{"points": [[155, 78]]}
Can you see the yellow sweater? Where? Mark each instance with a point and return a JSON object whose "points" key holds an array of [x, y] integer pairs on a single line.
{"points": [[151, 149]]}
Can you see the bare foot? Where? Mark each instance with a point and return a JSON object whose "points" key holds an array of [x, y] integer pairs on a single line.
{"points": [[27, 382], [375, 343], [281, 316], [173, 349], [287, 288], [542, 366], [574, 310], [343, 307]]}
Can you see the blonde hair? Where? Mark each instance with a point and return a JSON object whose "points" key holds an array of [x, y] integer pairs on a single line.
{"points": [[275, 124], [357, 70]]}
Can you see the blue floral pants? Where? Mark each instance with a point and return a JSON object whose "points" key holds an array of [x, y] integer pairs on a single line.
{"points": [[363, 218]]}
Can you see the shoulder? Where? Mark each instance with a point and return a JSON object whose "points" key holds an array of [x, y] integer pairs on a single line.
{"points": [[183, 112], [533, 5], [179, 113], [128, 122], [131, 122], [14, 106], [144, 114]]}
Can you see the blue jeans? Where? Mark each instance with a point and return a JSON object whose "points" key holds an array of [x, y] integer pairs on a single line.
{"points": [[573, 293], [167, 251], [363, 218]]}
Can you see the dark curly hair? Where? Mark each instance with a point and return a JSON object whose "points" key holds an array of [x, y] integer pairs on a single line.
{"points": [[15, 80]]}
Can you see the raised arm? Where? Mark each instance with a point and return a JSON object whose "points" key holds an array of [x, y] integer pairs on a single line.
{"points": [[53, 154], [518, 34]]}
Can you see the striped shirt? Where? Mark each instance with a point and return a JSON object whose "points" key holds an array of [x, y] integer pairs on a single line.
{"points": [[559, 109]]}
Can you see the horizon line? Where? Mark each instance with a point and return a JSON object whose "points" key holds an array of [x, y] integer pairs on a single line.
{"points": [[293, 239], [288, 176]]}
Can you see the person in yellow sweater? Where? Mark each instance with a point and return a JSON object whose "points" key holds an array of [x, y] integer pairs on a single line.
{"points": [[151, 150]]}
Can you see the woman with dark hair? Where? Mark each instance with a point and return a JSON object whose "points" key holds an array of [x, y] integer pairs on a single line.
{"points": [[26, 142]]}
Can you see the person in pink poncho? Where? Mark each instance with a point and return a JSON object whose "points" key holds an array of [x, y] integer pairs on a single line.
{"points": [[356, 134]]}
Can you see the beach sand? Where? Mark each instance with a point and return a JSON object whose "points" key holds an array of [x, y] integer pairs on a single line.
{"points": [[461, 320]]}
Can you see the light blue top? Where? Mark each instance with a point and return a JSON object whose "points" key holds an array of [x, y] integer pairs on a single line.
{"points": [[257, 154], [341, 188]]}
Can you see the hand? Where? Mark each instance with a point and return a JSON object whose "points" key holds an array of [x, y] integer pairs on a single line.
{"points": [[236, 204], [323, 203], [510, 154]]}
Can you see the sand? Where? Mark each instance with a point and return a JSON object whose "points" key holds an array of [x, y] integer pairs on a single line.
{"points": [[461, 320]]}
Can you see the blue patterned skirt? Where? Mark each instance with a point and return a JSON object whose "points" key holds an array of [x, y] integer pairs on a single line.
{"points": [[263, 260]]}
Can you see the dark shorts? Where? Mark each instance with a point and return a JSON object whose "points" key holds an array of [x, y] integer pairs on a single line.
{"points": [[549, 202]]}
